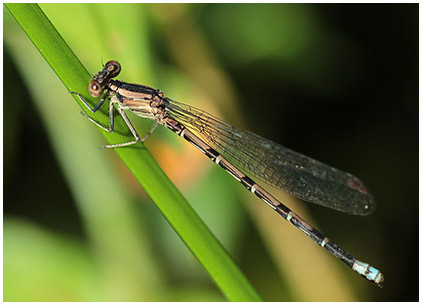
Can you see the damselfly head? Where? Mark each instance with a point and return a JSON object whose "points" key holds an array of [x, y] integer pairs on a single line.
{"points": [[100, 81]]}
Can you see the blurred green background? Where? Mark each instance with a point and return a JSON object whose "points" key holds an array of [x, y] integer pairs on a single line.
{"points": [[337, 82]]}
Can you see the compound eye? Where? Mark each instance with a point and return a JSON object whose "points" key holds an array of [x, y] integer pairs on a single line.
{"points": [[113, 67], [95, 89]]}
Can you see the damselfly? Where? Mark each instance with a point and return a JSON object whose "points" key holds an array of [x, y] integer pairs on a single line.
{"points": [[240, 152]]}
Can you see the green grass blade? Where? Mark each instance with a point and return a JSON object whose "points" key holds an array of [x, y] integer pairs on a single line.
{"points": [[171, 203]]}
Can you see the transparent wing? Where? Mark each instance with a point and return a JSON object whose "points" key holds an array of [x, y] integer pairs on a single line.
{"points": [[281, 167]]}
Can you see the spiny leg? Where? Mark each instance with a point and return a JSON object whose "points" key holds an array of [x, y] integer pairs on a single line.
{"points": [[93, 110], [111, 116], [129, 124], [150, 132], [99, 104]]}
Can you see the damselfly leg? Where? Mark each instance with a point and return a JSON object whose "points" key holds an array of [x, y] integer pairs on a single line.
{"points": [[111, 117]]}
